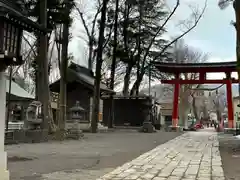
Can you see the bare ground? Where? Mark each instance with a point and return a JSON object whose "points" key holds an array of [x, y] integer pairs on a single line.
{"points": [[91, 157], [230, 153]]}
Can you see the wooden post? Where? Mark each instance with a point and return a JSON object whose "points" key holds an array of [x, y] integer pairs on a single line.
{"points": [[9, 97], [175, 102], [229, 101], [202, 76]]}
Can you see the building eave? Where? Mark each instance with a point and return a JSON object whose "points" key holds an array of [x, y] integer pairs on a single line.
{"points": [[20, 19]]}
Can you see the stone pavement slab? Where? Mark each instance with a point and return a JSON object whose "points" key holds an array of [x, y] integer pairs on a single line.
{"points": [[80, 174], [191, 156]]}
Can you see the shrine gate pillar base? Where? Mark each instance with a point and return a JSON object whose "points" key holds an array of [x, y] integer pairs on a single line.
{"points": [[175, 103], [230, 102], [4, 174]]}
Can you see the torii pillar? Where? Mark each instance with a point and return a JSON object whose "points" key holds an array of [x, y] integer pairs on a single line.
{"points": [[229, 101], [175, 102]]}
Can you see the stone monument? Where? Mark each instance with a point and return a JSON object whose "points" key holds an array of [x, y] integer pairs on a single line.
{"points": [[34, 115], [147, 123], [76, 121]]}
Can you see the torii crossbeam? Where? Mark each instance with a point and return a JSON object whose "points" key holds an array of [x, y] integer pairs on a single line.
{"points": [[202, 69]]}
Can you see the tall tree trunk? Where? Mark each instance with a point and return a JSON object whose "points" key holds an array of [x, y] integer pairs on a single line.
{"points": [[90, 54], [129, 68], [183, 111], [127, 79], [126, 24], [219, 116], [236, 6], [136, 85], [37, 83], [113, 66], [96, 96], [218, 108], [37, 71], [43, 61], [63, 72], [195, 108]]}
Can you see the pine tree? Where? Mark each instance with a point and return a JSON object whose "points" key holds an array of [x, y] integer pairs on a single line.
{"points": [[138, 27]]}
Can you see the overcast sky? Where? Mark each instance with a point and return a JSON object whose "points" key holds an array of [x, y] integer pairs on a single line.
{"points": [[213, 35]]}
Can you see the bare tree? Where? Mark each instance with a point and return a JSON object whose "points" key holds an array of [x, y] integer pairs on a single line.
{"points": [[96, 97], [187, 94], [63, 69], [90, 29], [187, 26], [219, 103], [186, 54]]}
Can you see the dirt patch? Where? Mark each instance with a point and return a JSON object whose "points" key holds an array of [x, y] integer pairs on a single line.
{"points": [[18, 158], [230, 153]]}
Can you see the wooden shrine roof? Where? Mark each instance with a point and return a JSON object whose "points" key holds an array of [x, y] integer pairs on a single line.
{"points": [[11, 11], [195, 67], [77, 74]]}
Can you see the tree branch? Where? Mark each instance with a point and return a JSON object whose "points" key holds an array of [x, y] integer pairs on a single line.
{"points": [[161, 28], [30, 45], [108, 38], [184, 33], [95, 20], [83, 21]]}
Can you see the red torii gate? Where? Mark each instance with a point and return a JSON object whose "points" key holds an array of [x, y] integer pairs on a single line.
{"points": [[202, 68]]}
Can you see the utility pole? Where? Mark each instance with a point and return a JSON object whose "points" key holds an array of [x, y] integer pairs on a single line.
{"points": [[113, 66]]}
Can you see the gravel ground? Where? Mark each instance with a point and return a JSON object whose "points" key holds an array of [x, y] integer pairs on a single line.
{"points": [[230, 153], [88, 158]]}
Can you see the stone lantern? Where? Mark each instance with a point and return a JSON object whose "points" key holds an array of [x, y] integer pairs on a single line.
{"points": [[34, 115], [74, 122], [77, 112], [13, 21], [147, 109], [147, 123]]}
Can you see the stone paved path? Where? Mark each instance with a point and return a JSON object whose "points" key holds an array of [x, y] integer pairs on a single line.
{"points": [[192, 156]]}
